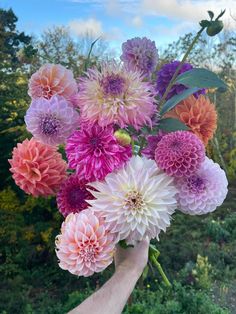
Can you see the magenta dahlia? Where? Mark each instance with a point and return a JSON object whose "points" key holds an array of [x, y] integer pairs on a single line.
{"points": [[179, 153], [152, 141], [203, 191], [94, 152], [72, 196]]}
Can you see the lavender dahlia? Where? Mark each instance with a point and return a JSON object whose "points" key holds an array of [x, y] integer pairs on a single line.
{"points": [[140, 54], [116, 95], [179, 153], [73, 195], [202, 192], [94, 152], [164, 76], [52, 120]]}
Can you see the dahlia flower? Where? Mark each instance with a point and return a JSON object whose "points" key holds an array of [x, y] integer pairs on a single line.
{"points": [[72, 196], [199, 114], [84, 246], [37, 169], [136, 202], [164, 76], [203, 191], [116, 95], [52, 79], [152, 140], [51, 121], [179, 153], [94, 152], [140, 54]]}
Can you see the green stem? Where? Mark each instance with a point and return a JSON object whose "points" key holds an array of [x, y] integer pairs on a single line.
{"points": [[171, 83], [163, 275]]}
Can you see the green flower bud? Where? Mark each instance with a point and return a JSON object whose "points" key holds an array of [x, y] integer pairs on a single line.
{"points": [[214, 28], [122, 137]]}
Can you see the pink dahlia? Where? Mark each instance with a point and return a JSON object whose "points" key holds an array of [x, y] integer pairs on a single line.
{"points": [[84, 245], [116, 95], [152, 141], [94, 152], [203, 191], [37, 169], [73, 195], [51, 121], [52, 79], [180, 153]]}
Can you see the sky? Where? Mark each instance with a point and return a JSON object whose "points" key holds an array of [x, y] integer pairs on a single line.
{"points": [[118, 20]]}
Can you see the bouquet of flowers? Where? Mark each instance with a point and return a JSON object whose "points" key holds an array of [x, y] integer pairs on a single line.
{"points": [[134, 140]]}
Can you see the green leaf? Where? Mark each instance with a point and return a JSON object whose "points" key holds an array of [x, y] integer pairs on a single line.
{"points": [[172, 102], [211, 14], [171, 125], [123, 244], [201, 78], [204, 23]]}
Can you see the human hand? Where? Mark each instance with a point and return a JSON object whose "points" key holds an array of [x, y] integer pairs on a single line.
{"points": [[134, 258]]}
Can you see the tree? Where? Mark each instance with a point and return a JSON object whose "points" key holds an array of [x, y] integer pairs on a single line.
{"points": [[13, 87]]}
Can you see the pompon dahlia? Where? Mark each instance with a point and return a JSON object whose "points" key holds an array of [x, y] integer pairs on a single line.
{"points": [[136, 201], [52, 79], [84, 246], [199, 114], [38, 169], [152, 141], [204, 191], [116, 95], [51, 121], [94, 152], [140, 54], [179, 153], [72, 196], [164, 76]]}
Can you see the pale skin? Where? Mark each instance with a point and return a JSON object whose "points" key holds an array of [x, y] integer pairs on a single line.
{"points": [[113, 295]]}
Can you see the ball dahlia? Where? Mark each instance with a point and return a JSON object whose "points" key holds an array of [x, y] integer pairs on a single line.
{"points": [[52, 120], [38, 169], [203, 191], [164, 76], [137, 201], [72, 196], [84, 245], [116, 95], [52, 79], [199, 114], [140, 54], [179, 153], [94, 152]]}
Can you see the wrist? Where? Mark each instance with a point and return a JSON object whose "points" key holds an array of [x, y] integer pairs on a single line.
{"points": [[130, 270]]}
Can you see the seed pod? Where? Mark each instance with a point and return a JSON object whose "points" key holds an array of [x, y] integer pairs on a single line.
{"points": [[214, 28]]}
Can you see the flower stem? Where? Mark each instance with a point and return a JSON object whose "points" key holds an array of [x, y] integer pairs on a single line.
{"points": [[163, 275], [171, 83]]}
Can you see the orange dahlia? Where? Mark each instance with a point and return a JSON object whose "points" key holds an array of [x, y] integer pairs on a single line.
{"points": [[38, 169], [199, 114]]}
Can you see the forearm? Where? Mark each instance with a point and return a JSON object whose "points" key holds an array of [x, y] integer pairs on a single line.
{"points": [[113, 295]]}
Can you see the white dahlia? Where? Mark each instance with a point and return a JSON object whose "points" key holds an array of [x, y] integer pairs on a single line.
{"points": [[136, 201]]}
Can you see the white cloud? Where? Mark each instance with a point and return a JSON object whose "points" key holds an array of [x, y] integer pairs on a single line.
{"points": [[91, 27], [137, 21], [188, 10]]}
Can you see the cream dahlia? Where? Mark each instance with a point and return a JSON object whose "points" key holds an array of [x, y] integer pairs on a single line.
{"points": [[116, 95], [204, 191], [84, 245], [136, 201]]}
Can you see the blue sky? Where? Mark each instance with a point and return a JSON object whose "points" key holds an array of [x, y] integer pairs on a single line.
{"points": [[118, 20]]}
